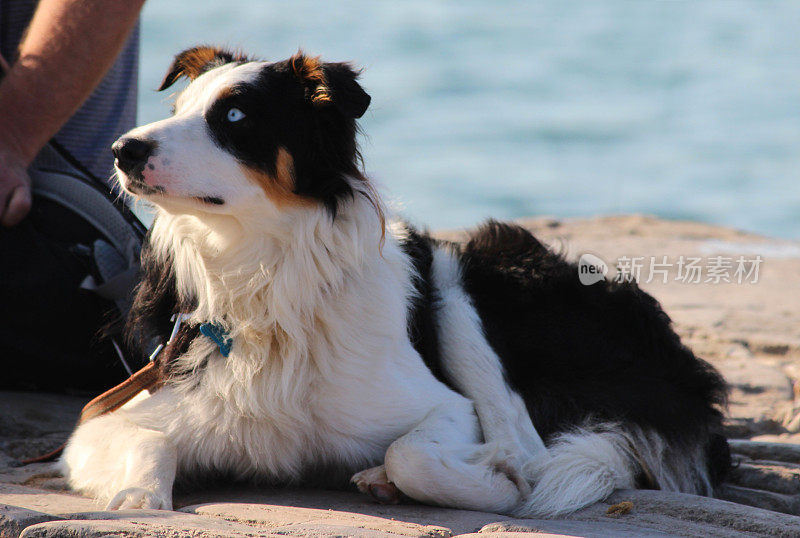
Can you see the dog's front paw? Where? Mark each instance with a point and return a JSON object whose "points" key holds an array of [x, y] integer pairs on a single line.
{"points": [[375, 483], [139, 498]]}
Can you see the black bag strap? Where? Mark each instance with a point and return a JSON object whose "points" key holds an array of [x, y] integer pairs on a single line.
{"points": [[56, 177], [59, 177]]}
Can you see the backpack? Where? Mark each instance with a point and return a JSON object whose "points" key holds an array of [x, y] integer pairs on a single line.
{"points": [[66, 272]]}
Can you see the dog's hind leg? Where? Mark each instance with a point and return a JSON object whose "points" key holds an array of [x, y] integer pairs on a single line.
{"points": [[474, 368], [120, 463], [442, 461]]}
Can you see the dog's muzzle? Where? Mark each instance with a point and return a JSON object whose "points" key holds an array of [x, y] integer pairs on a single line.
{"points": [[132, 153]]}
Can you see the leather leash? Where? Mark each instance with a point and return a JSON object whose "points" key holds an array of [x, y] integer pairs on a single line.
{"points": [[110, 400], [145, 379]]}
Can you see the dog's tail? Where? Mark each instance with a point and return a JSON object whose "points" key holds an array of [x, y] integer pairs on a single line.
{"points": [[587, 464]]}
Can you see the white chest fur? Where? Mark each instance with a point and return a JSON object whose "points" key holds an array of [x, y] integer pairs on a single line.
{"points": [[321, 370]]}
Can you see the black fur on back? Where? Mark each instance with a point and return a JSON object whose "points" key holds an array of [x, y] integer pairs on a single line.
{"points": [[601, 352], [156, 300]]}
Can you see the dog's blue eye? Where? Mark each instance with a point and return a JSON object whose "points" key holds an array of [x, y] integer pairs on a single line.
{"points": [[234, 114]]}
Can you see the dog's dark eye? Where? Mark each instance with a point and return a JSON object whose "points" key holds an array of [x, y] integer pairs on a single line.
{"points": [[234, 115]]}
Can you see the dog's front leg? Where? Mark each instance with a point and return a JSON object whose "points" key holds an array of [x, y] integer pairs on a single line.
{"points": [[121, 463], [442, 461]]}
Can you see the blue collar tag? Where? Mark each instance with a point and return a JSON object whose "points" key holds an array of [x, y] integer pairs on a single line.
{"points": [[219, 336]]}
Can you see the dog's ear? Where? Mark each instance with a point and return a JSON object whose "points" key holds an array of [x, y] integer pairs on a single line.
{"points": [[195, 61], [331, 84], [348, 95]]}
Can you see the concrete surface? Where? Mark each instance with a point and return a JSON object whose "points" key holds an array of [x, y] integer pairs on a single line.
{"points": [[751, 332]]}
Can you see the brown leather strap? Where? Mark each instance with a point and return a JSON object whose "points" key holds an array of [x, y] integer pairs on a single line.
{"points": [[111, 400], [50, 456]]}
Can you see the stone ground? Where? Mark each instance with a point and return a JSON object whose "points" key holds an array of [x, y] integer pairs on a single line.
{"points": [[750, 331]]}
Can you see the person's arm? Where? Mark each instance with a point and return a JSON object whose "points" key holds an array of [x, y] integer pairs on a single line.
{"points": [[69, 46]]}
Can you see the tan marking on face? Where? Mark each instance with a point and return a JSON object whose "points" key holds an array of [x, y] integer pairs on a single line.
{"points": [[280, 187], [227, 91], [309, 70]]}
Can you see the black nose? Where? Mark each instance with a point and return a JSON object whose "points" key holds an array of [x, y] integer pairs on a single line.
{"points": [[132, 152]]}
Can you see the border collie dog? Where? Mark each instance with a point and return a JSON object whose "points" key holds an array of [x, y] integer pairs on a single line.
{"points": [[480, 375]]}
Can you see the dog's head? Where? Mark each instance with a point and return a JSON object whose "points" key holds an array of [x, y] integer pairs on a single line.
{"points": [[278, 134]]}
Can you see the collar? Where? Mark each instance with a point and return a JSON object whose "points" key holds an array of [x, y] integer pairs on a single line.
{"points": [[219, 336], [214, 331]]}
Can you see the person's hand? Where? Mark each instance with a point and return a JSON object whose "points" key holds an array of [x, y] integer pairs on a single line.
{"points": [[15, 188], [15, 184]]}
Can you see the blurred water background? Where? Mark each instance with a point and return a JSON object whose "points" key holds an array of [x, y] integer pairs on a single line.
{"points": [[687, 110]]}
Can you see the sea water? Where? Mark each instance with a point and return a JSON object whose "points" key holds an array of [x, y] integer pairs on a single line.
{"points": [[685, 110]]}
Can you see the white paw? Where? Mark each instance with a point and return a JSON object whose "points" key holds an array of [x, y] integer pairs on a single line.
{"points": [[139, 498], [375, 483]]}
